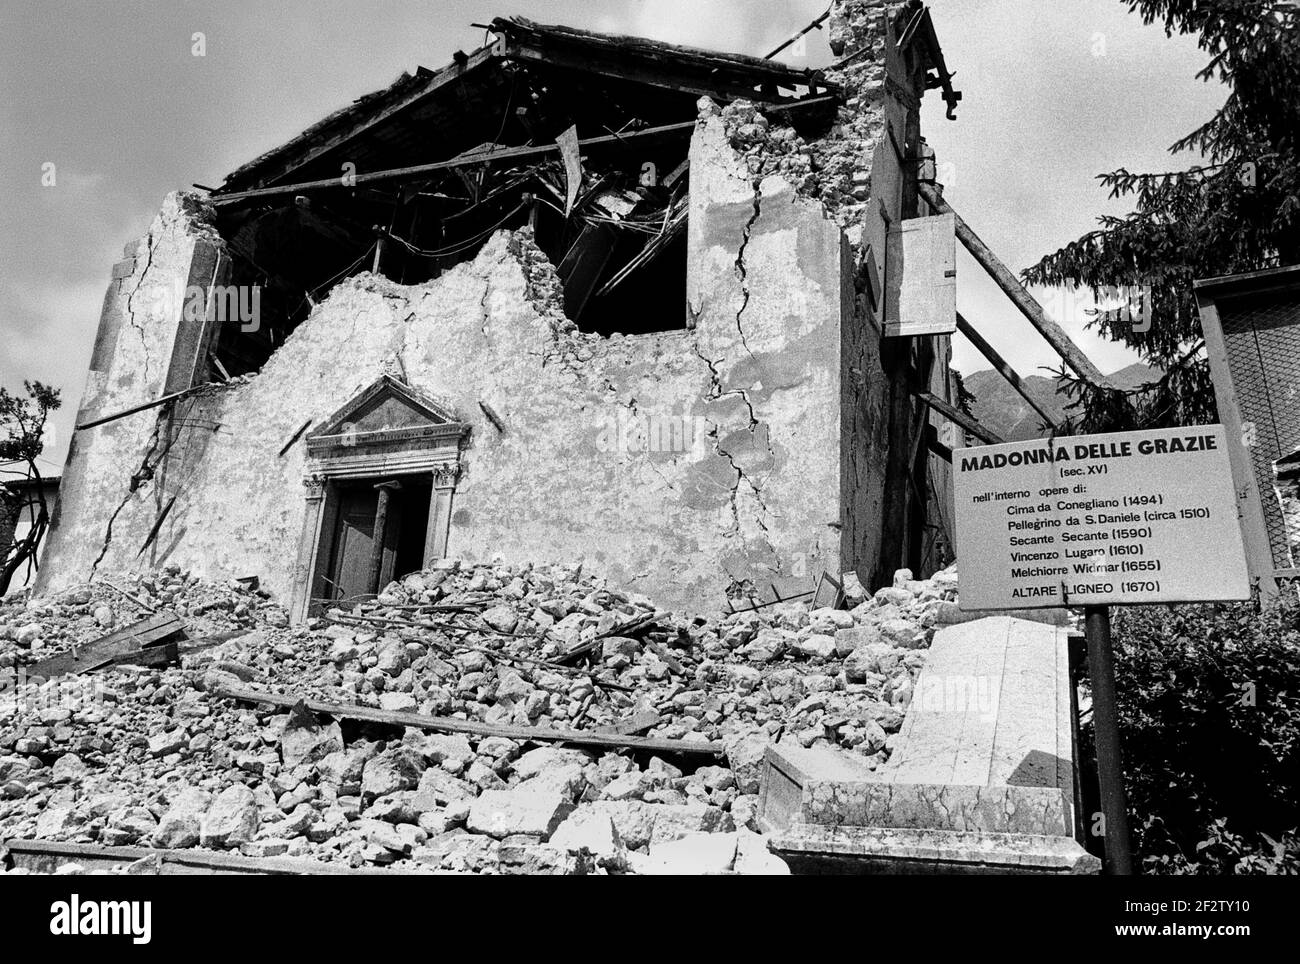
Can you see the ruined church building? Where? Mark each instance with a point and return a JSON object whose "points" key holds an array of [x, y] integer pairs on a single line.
{"points": [[680, 315]]}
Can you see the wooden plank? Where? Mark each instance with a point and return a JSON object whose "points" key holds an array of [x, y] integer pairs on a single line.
{"points": [[1001, 366], [634, 725], [45, 856], [155, 632], [557, 45], [954, 414], [443, 724], [922, 256], [1070, 353]]}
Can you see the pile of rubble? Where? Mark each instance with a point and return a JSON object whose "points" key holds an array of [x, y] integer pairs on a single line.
{"points": [[157, 757]]}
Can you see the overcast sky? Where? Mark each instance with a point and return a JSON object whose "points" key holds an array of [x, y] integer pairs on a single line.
{"points": [[1055, 93]]}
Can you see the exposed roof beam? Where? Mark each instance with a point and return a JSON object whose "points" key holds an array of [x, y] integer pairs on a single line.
{"points": [[486, 157], [472, 160], [650, 61]]}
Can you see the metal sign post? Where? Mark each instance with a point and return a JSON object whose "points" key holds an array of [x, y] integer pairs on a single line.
{"points": [[1105, 730]]}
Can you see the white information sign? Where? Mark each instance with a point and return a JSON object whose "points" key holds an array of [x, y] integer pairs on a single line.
{"points": [[1095, 520]]}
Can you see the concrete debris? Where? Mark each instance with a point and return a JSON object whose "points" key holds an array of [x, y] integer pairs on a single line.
{"points": [[149, 757]]}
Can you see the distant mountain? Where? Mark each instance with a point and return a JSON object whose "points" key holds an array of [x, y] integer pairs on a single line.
{"points": [[1000, 408]]}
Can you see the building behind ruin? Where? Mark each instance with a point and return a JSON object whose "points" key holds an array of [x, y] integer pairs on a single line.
{"points": [[572, 298]]}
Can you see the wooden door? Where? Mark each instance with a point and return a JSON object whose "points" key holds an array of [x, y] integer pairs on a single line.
{"points": [[354, 541]]}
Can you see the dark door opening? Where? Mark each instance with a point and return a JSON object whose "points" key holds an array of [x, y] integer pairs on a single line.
{"points": [[374, 532]]}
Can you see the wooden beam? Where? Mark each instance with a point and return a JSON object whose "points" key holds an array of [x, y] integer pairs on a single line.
{"points": [[444, 724], [488, 157], [142, 407], [314, 143], [935, 446], [1070, 352], [46, 856], [1001, 367], [159, 633], [472, 160], [954, 414]]}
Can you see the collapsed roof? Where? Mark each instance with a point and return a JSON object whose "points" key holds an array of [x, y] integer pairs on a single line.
{"points": [[582, 136], [531, 81]]}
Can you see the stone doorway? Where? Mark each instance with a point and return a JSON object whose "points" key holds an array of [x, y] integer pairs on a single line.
{"points": [[381, 476]]}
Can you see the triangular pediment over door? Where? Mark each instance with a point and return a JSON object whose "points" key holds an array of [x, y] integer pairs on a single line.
{"points": [[388, 414]]}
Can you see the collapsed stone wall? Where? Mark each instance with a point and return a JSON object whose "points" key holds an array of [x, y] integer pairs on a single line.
{"points": [[750, 491], [789, 413]]}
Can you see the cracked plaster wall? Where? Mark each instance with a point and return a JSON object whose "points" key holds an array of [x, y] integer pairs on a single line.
{"points": [[777, 393], [129, 366], [743, 485]]}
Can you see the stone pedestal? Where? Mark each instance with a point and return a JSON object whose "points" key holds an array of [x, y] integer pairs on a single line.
{"points": [[982, 782]]}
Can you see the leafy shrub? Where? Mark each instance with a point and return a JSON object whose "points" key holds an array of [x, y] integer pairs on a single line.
{"points": [[1209, 715]]}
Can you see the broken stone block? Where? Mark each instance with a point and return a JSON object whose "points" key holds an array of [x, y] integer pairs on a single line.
{"points": [[398, 703], [878, 658], [592, 831], [297, 823], [301, 743], [619, 646], [343, 768], [67, 769], [754, 858], [500, 618], [633, 819], [390, 771], [716, 778], [568, 779], [135, 823], [536, 761], [162, 744], [438, 788], [57, 822], [818, 645], [232, 819], [501, 813], [692, 853], [331, 822], [827, 620], [769, 645], [29, 634], [180, 825], [440, 747], [627, 786], [672, 822], [264, 848], [745, 753]]}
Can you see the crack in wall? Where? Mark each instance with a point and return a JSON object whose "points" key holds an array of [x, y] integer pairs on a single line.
{"points": [[484, 315], [716, 393], [130, 304], [742, 270], [139, 479]]}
